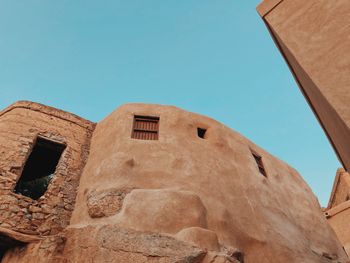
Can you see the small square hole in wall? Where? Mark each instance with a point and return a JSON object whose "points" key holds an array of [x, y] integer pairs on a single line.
{"points": [[39, 168], [201, 132], [145, 128], [259, 162]]}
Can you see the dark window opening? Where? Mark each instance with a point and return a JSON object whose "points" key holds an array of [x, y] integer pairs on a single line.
{"points": [[201, 132], [145, 128], [259, 162], [39, 169]]}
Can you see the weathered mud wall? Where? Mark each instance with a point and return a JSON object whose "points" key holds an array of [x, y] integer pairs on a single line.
{"points": [[183, 198], [206, 191], [313, 37], [20, 125]]}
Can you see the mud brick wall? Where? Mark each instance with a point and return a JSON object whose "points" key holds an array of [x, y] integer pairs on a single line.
{"points": [[20, 125]]}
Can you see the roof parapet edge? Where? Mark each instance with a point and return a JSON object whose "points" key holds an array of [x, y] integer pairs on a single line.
{"points": [[267, 6], [67, 116]]}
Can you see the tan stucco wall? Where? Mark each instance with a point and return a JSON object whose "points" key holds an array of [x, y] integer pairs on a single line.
{"points": [[273, 219], [313, 37], [341, 189], [340, 223], [338, 210], [177, 199]]}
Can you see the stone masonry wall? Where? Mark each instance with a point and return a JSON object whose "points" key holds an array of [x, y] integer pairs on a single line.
{"points": [[20, 125]]}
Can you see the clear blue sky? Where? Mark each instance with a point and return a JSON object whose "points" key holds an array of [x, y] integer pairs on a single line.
{"points": [[211, 57]]}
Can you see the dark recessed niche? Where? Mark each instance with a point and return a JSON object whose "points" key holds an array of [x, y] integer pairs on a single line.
{"points": [[259, 162], [7, 243], [39, 168], [201, 132]]}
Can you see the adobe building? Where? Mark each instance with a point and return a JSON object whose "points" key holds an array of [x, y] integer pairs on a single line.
{"points": [[338, 209], [150, 183], [36, 142], [313, 37]]}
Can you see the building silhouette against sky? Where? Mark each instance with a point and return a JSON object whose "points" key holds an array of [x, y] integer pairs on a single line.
{"points": [[313, 37], [149, 182], [154, 183]]}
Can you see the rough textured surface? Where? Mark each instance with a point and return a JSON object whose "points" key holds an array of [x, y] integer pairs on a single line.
{"points": [[110, 244], [184, 199], [106, 202], [314, 38], [154, 210], [200, 237], [20, 125]]}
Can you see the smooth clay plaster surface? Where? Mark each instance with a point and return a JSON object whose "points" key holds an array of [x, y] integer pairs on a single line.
{"points": [[313, 37], [180, 198], [338, 209]]}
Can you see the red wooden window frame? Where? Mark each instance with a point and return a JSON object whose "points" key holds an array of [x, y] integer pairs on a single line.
{"points": [[145, 128], [259, 162]]}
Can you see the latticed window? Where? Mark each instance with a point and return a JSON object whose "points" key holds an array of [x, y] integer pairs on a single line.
{"points": [[145, 128], [259, 162]]}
